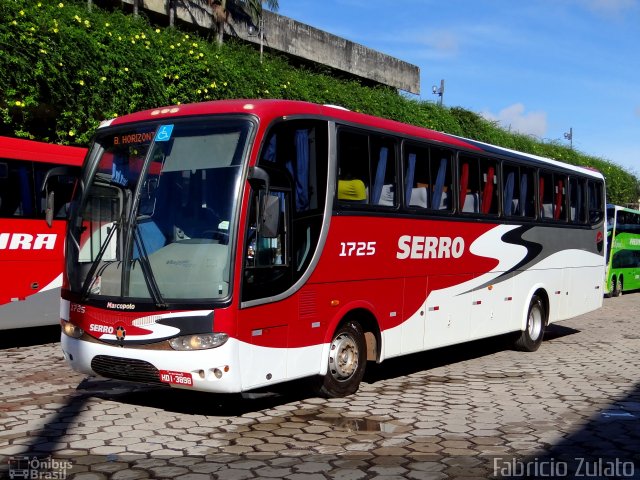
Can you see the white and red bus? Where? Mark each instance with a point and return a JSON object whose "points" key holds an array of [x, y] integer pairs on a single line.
{"points": [[231, 245], [30, 253]]}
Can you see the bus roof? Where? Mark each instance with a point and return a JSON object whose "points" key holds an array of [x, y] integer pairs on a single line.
{"points": [[20, 149], [271, 109], [621, 208]]}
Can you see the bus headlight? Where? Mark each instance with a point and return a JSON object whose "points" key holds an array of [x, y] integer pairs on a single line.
{"points": [[201, 341], [71, 330]]}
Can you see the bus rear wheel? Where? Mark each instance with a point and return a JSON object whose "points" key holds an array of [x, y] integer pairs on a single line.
{"points": [[347, 361], [617, 287], [530, 339]]}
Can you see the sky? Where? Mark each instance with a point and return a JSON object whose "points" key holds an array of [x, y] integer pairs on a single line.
{"points": [[539, 67]]}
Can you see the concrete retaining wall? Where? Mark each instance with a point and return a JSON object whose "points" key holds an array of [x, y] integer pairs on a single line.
{"points": [[304, 41]]}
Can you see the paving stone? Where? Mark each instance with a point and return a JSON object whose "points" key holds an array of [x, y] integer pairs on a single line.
{"points": [[169, 471], [305, 476], [90, 476], [232, 474], [130, 474]]}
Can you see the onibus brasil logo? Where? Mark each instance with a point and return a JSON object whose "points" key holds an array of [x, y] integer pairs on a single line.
{"points": [[24, 466]]}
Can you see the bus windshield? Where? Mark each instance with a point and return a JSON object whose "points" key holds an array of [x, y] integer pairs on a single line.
{"points": [[153, 221], [611, 216]]}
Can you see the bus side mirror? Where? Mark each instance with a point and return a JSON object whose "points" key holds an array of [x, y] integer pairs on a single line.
{"points": [[257, 177], [269, 222], [50, 195], [48, 211], [268, 205]]}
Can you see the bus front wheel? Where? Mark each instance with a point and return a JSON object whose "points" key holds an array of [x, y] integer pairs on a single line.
{"points": [[530, 339], [347, 361]]}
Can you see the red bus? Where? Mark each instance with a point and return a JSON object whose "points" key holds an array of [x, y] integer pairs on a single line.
{"points": [[231, 245], [30, 253]]}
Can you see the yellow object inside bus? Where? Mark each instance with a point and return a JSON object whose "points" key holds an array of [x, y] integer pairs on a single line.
{"points": [[353, 190]]}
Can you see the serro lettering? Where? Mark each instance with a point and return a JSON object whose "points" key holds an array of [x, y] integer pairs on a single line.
{"points": [[26, 241], [100, 328], [410, 246]]}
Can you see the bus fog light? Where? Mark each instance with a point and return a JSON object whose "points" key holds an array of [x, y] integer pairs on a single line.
{"points": [[200, 341], [70, 330], [217, 372]]}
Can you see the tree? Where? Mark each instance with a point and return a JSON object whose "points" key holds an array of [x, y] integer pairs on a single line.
{"points": [[172, 13], [247, 11]]}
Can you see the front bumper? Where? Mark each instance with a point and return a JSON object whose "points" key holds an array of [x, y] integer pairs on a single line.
{"points": [[141, 365]]}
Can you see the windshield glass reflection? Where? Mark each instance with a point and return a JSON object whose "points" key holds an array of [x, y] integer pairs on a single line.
{"points": [[155, 219]]}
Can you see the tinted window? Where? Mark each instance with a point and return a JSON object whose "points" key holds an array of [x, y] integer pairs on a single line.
{"points": [[478, 188], [552, 194], [428, 181], [21, 190], [518, 191], [595, 193], [577, 200], [366, 169]]}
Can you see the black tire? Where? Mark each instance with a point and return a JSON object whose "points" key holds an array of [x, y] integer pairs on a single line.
{"points": [[347, 362], [611, 287], [617, 286], [530, 339]]}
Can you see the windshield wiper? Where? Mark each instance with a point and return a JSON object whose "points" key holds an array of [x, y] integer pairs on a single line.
{"points": [[147, 271], [84, 293]]}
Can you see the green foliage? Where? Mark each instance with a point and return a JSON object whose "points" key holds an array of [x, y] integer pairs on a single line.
{"points": [[64, 69]]}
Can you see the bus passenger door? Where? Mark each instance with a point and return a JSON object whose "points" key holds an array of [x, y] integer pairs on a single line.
{"points": [[263, 321], [282, 329]]}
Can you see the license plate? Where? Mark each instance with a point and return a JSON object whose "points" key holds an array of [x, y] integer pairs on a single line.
{"points": [[183, 379]]}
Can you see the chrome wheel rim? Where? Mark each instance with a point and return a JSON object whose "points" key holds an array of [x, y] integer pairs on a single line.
{"points": [[343, 357], [534, 325]]}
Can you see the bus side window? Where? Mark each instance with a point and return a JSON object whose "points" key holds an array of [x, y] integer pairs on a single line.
{"points": [[4, 190], [489, 186], [545, 195], [577, 208], [416, 177], [560, 197], [366, 169], [518, 191], [383, 168], [478, 186], [596, 204], [294, 154], [61, 185], [511, 202], [353, 168], [266, 259], [17, 196], [427, 177], [469, 186]]}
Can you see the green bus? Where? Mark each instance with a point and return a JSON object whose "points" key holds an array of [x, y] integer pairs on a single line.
{"points": [[623, 250]]}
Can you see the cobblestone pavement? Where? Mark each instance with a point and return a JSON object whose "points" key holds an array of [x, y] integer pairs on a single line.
{"points": [[477, 410]]}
